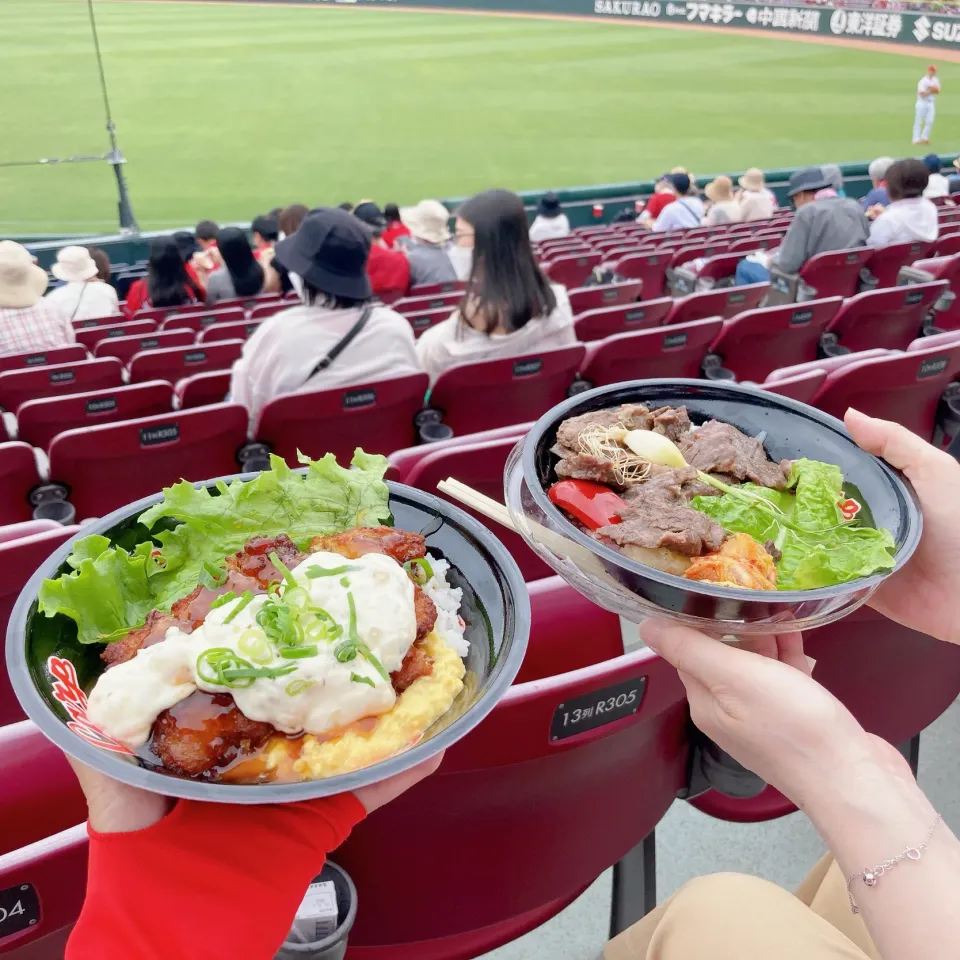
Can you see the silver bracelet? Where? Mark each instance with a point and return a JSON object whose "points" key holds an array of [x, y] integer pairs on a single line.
{"points": [[871, 875]]}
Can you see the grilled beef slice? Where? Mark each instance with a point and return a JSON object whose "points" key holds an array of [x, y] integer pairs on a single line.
{"points": [[720, 448]]}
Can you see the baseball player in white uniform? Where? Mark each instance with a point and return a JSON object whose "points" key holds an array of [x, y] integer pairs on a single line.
{"points": [[927, 90]]}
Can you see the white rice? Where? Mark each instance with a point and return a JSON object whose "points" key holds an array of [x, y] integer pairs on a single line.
{"points": [[447, 599]]}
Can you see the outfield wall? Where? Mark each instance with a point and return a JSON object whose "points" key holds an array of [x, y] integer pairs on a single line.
{"points": [[910, 29]]}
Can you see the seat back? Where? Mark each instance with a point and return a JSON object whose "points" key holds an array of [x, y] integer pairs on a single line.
{"points": [[944, 268], [606, 321], [725, 302], [39, 421], [125, 348], [676, 351], [495, 393], [650, 268], [174, 363], [837, 273], [572, 269], [433, 289], [947, 245], [91, 336], [425, 319], [202, 389], [18, 476], [19, 560], [886, 262], [108, 466], [890, 319], [378, 416], [697, 250], [604, 295], [757, 342], [196, 320], [448, 301], [720, 267], [903, 387], [799, 386], [263, 310], [236, 330], [27, 359], [107, 321], [18, 386], [760, 241]]}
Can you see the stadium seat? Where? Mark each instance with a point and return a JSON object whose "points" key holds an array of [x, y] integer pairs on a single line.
{"points": [[18, 386], [605, 295], [263, 310], [947, 245], [676, 351], [105, 467], [87, 322], [696, 251], [479, 465], [433, 289], [725, 302], [377, 416], [202, 389], [196, 320], [173, 363], [39, 421], [759, 241], [835, 274], [886, 262], [28, 359], [91, 336], [18, 476], [824, 365], [754, 343], [648, 267], [537, 816], [938, 268], [425, 319], [572, 270], [125, 348], [597, 324], [495, 393], [718, 269], [237, 330], [890, 318], [438, 301], [802, 386]]}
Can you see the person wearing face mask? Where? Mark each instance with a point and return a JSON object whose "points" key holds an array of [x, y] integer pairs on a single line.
{"points": [[509, 308], [336, 337]]}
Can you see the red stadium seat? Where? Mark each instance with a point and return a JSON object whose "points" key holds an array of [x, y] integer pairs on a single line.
{"points": [[19, 560], [597, 324], [426, 319], [947, 245], [801, 386], [605, 295], [649, 267], [719, 268], [28, 359], [106, 467], [18, 476], [824, 365], [939, 268], [238, 330], [757, 241], [203, 388], [125, 348], [197, 320], [407, 305], [495, 393], [571, 270], [756, 342], [263, 310], [725, 302], [377, 416], [174, 363], [835, 274], [886, 262], [433, 289], [98, 321], [39, 421], [91, 336], [697, 251], [479, 465], [18, 386], [508, 795], [885, 318], [677, 351]]}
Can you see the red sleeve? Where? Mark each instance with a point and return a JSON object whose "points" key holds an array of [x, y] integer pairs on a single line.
{"points": [[192, 274], [389, 270], [209, 879], [136, 296]]}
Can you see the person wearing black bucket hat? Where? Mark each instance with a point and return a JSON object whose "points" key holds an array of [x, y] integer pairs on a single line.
{"points": [[551, 222], [335, 337]]}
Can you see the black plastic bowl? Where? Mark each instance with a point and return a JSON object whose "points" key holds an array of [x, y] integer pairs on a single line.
{"points": [[791, 430], [495, 607]]}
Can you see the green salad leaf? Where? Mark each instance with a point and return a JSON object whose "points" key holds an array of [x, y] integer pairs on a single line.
{"points": [[111, 590], [828, 551]]}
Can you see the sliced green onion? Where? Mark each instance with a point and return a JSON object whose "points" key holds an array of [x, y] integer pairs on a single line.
{"points": [[354, 636], [283, 568], [315, 571], [296, 597], [374, 662], [273, 588], [426, 571], [344, 581], [217, 575], [295, 687], [298, 653], [345, 652], [356, 678], [245, 598], [257, 673], [223, 599], [255, 646]]}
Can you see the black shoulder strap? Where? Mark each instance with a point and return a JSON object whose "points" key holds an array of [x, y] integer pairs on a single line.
{"points": [[343, 343], [83, 290]]}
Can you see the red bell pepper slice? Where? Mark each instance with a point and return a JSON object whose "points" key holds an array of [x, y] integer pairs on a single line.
{"points": [[593, 504]]}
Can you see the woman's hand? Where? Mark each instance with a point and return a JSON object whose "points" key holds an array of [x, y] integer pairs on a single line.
{"points": [[923, 594], [760, 704]]}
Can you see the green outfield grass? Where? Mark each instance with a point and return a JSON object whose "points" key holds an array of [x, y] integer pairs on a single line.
{"points": [[226, 111]]}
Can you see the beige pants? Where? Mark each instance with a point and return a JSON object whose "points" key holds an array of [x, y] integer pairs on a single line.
{"points": [[729, 916]]}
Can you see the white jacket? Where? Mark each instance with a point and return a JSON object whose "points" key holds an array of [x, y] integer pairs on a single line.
{"points": [[904, 221], [549, 228]]}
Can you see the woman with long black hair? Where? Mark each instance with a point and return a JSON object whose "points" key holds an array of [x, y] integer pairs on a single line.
{"points": [[167, 283], [510, 307], [241, 274]]}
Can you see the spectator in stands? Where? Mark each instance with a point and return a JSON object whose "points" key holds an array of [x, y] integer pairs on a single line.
{"points": [[723, 206], [290, 219], [395, 227], [833, 223], [389, 270], [427, 253], [877, 196], [336, 337], [27, 320], [663, 194], [510, 307], [938, 185], [910, 215], [206, 233], [102, 261], [83, 294], [756, 201], [551, 222], [167, 283], [265, 232], [833, 176], [241, 274], [685, 212]]}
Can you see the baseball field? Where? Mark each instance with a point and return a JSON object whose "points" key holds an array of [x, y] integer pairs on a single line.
{"points": [[224, 111]]}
